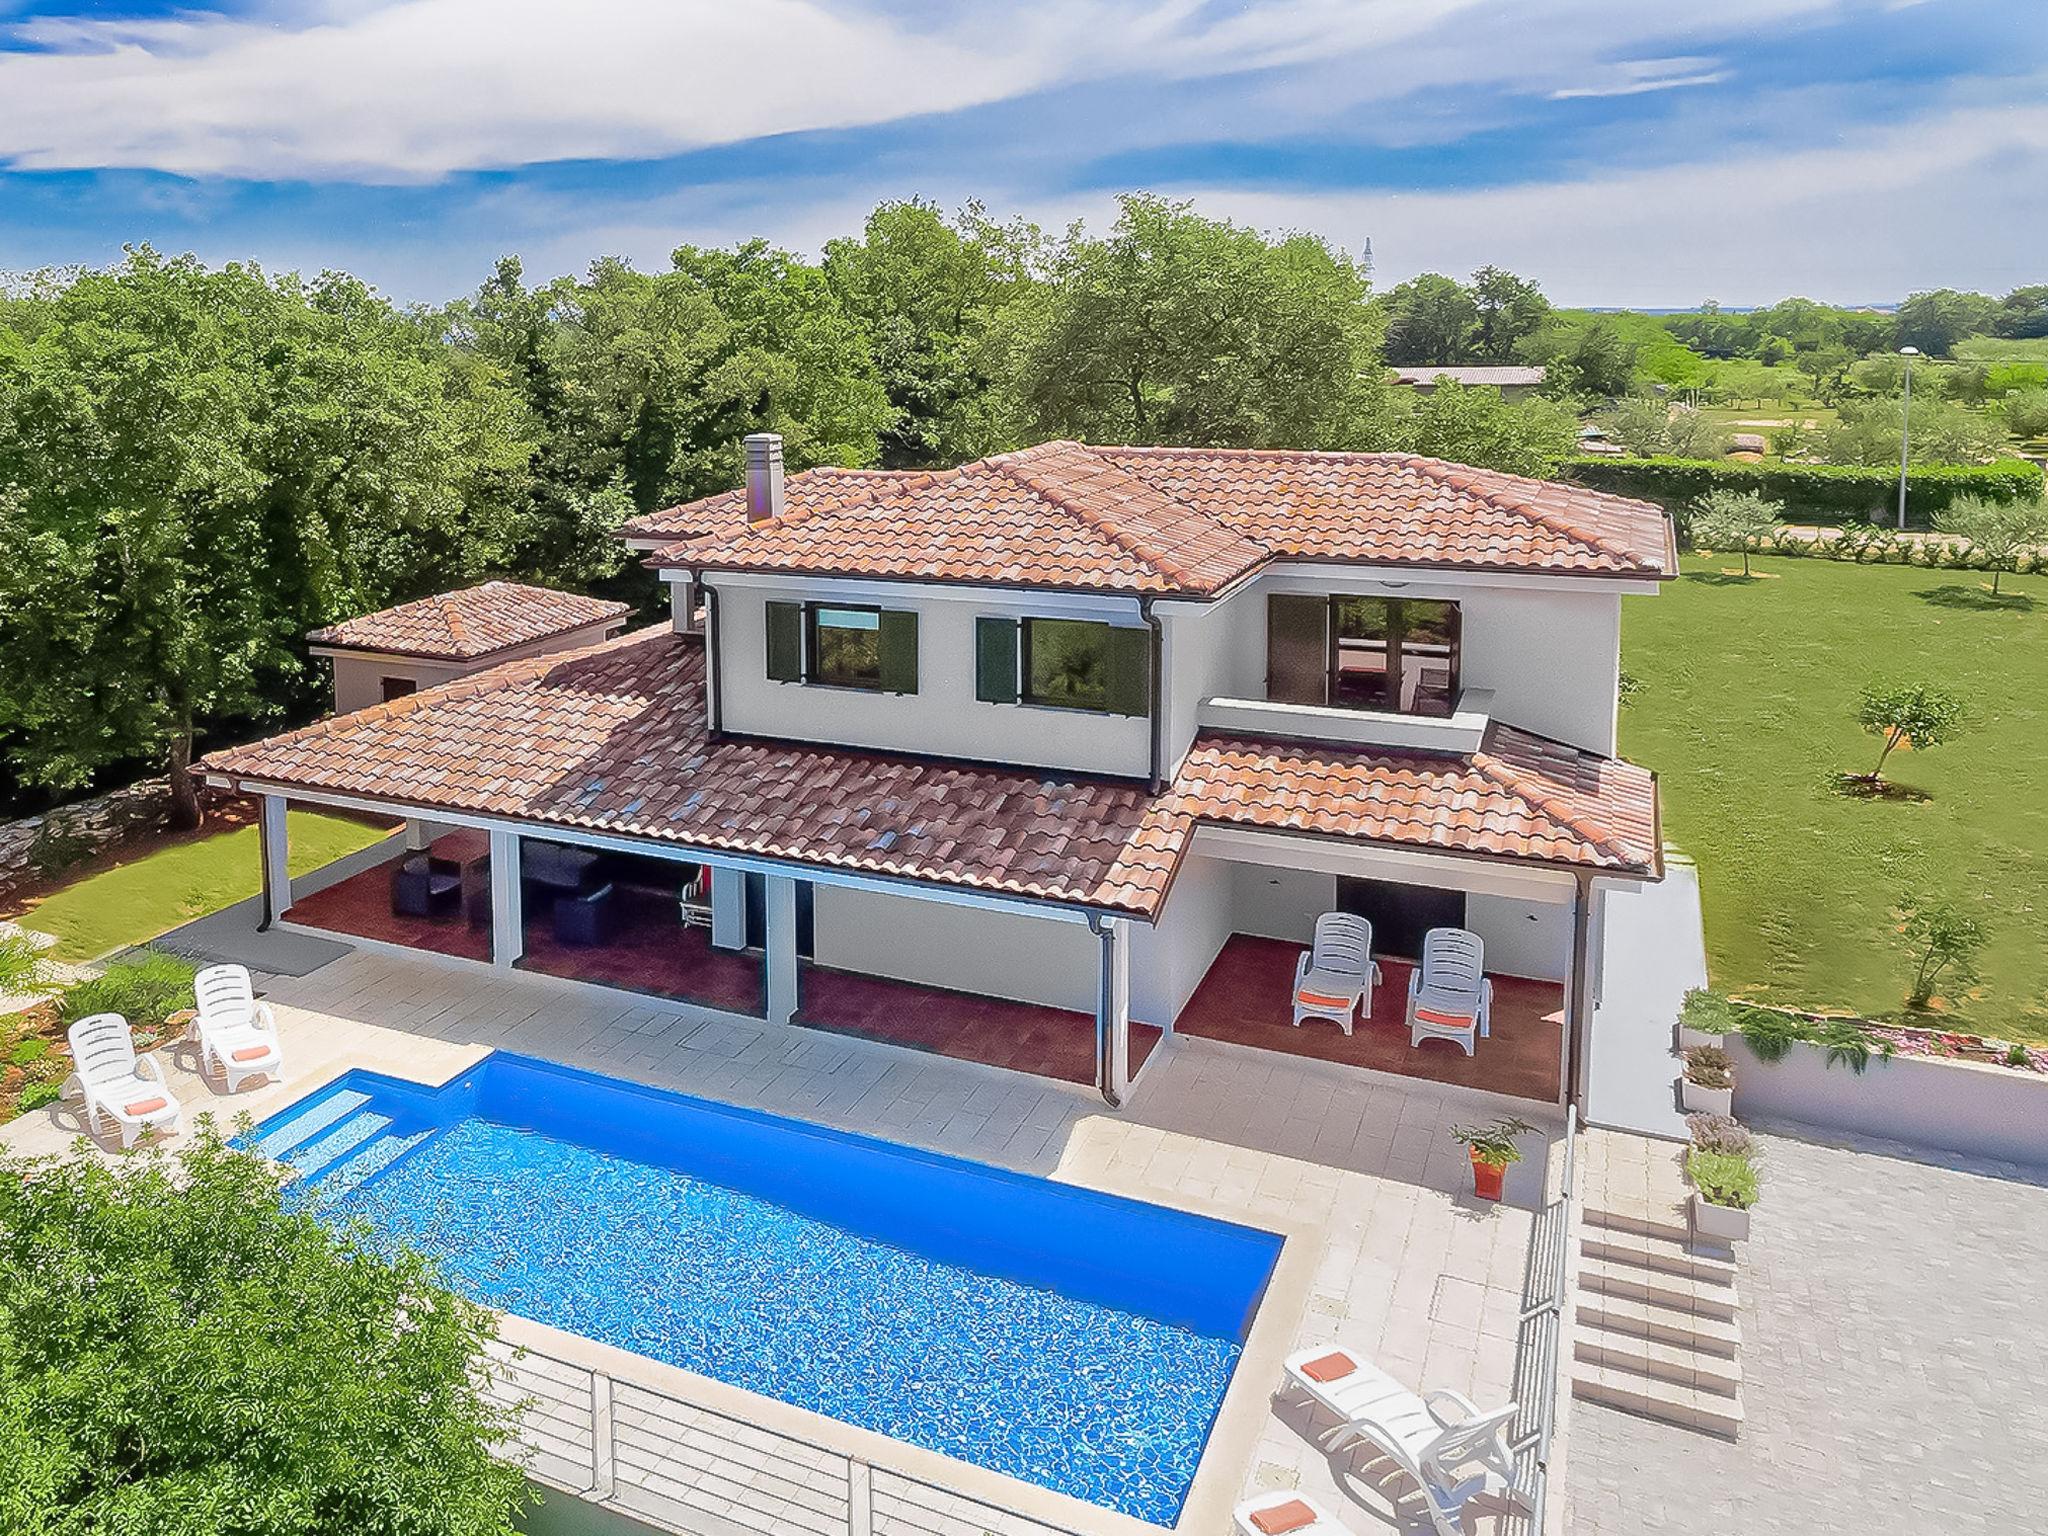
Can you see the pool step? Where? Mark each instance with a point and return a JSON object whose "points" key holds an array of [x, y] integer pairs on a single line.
{"points": [[303, 1127], [344, 1179], [338, 1143]]}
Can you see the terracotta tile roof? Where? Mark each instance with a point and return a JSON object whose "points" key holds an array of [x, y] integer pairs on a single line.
{"points": [[1491, 375], [474, 622], [612, 739], [1168, 520]]}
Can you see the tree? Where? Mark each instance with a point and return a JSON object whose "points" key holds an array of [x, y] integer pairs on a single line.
{"points": [[1474, 425], [1586, 355], [1939, 938], [2023, 312], [1867, 432], [930, 296], [1735, 520], [1915, 715], [1647, 428], [1184, 330], [198, 466], [178, 1353], [1936, 320], [1429, 319], [2025, 413], [2001, 532], [1508, 310]]}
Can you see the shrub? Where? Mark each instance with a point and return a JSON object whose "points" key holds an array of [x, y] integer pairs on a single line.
{"points": [[1719, 1133], [1723, 1178], [1940, 938], [36, 1095], [1919, 715], [1770, 1033], [273, 1377], [1708, 1012], [145, 988], [1810, 493], [24, 966], [1708, 1066], [1999, 533]]}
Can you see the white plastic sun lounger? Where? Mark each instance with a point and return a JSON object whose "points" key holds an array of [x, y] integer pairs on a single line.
{"points": [[237, 1034], [1440, 1439], [127, 1089], [1337, 975], [1449, 997]]}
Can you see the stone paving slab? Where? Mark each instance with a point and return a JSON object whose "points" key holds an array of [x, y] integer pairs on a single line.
{"points": [[1895, 1362]]}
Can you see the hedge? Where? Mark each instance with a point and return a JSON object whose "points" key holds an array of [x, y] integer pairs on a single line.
{"points": [[1811, 493]]}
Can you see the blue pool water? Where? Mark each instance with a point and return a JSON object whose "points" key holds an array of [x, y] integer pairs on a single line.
{"points": [[1077, 1340]]}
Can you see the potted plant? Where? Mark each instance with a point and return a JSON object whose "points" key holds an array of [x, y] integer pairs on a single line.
{"points": [[1719, 1133], [1493, 1148], [1709, 1086], [1702, 1020], [1724, 1187]]}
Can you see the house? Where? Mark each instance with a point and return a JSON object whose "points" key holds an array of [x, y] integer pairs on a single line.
{"points": [[395, 651], [1040, 758], [1514, 381]]}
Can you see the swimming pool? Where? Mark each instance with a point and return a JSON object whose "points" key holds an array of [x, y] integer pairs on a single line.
{"points": [[1074, 1339]]}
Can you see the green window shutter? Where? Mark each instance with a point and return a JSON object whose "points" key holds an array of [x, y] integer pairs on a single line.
{"points": [[1297, 649], [995, 661], [899, 652], [785, 642], [1130, 671]]}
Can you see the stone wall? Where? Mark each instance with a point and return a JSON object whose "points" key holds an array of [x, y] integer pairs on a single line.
{"points": [[81, 829]]}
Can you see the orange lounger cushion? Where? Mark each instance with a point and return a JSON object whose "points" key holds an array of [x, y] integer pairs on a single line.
{"points": [[1276, 1519], [1329, 1367], [147, 1106], [1445, 1020], [251, 1053], [1320, 1000]]}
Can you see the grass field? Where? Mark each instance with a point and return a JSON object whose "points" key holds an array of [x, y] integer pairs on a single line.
{"points": [[1992, 349], [1747, 711], [137, 900]]}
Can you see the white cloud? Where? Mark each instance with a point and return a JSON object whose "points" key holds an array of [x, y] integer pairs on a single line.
{"points": [[414, 89], [1934, 202], [1638, 77]]}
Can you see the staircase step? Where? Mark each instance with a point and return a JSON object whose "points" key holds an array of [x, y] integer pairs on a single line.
{"points": [[1703, 1298], [1666, 1400], [338, 1143], [1674, 1225], [1697, 1261], [303, 1127], [1688, 1367], [1666, 1325]]}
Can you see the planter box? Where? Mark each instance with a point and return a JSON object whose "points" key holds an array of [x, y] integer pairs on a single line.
{"points": [[1705, 1101], [1723, 1223], [1691, 1039]]}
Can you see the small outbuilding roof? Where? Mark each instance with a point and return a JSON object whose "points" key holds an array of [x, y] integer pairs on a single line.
{"points": [[470, 624]]}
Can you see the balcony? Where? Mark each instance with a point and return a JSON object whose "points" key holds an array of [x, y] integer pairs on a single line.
{"points": [[1459, 733]]}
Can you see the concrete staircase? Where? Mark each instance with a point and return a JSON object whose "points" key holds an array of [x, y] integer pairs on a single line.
{"points": [[1655, 1325]]}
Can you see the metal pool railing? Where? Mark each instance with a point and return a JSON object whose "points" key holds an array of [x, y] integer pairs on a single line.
{"points": [[1540, 1336], [688, 1468]]}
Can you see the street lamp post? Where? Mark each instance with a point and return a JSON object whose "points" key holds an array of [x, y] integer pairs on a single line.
{"points": [[1905, 430]]}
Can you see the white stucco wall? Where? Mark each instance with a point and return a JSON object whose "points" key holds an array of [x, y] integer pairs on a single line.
{"points": [[1216, 650], [943, 718], [359, 675], [1523, 938], [1169, 961], [967, 949]]}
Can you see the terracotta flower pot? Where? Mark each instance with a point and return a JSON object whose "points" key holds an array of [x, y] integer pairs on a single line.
{"points": [[1487, 1178]]}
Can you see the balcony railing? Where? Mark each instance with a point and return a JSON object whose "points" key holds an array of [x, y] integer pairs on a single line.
{"points": [[1461, 732]]}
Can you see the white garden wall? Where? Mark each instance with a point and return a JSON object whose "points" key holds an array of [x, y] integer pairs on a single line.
{"points": [[965, 949], [1981, 1111]]}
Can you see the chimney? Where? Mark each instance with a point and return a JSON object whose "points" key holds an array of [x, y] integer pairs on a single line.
{"points": [[764, 476]]}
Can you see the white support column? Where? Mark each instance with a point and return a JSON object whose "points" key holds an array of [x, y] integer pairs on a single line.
{"points": [[728, 908], [508, 917], [780, 943], [1113, 1012], [419, 835], [274, 832]]}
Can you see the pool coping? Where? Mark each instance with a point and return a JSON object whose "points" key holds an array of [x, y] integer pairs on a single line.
{"points": [[1226, 1452]]}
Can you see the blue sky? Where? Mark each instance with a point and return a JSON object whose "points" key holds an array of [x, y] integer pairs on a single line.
{"points": [[1620, 151]]}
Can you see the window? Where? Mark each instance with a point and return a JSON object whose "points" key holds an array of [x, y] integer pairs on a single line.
{"points": [[1398, 654], [1064, 664], [845, 646], [842, 647], [398, 687]]}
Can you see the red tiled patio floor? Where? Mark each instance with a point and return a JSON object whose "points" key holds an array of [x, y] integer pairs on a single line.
{"points": [[1247, 998], [360, 907]]}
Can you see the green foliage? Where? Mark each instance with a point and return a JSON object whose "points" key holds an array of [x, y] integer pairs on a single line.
{"points": [[1732, 521], [1723, 1178], [24, 966], [1708, 1012], [2025, 412], [1770, 1033], [1180, 329], [27, 1053], [1935, 321], [1915, 715], [1474, 425], [1599, 356], [35, 1096], [144, 988], [2023, 312], [1811, 493], [1941, 939], [1494, 1144], [1942, 432], [1650, 428], [2000, 533], [1437, 319], [180, 1354], [1708, 1066]]}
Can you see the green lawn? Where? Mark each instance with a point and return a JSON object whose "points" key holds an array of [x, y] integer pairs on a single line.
{"points": [[1747, 711], [1993, 349], [141, 898]]}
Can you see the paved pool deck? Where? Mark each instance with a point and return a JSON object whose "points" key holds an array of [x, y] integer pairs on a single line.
{"points": [[1390, 1253]]}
